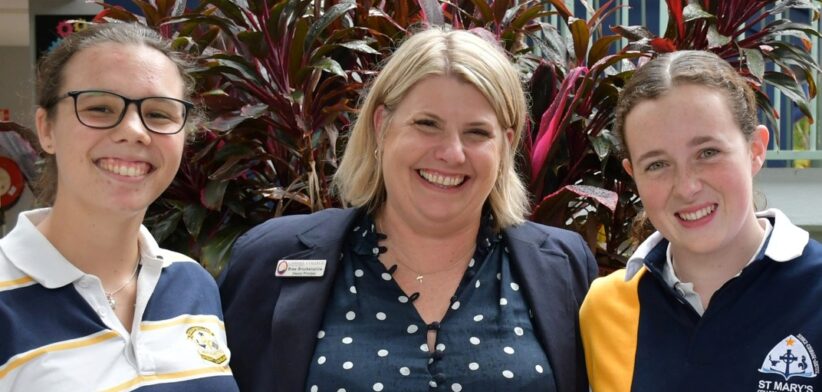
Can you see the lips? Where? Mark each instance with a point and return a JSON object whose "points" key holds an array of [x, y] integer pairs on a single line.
{"points": [[698, 214], [123, 167], [447, 181]]}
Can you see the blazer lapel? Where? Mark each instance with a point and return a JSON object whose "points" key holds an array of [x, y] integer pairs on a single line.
{"points": [[545, 277], [298, 314]]}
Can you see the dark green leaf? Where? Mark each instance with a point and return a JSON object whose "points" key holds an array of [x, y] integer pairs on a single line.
{"points": [[715, 39], [633, 33], [230, 9], [162, 226], [216, 251], [319, 26], [212, 195], [791, 88], [360, 46], [694, 11], [755, 61], [601, 146], [193, 217], [329, 65]]}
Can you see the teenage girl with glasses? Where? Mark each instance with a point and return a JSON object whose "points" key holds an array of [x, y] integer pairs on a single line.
{"points": [[88, 300]]}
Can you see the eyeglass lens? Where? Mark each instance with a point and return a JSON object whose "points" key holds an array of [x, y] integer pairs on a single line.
{"points": [[99, 109]]}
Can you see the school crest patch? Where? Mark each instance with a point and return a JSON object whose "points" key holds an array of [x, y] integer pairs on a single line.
{"points": [[207, 345]]}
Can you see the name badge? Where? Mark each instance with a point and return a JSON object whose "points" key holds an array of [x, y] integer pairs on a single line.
{"points": [[300, 268]]}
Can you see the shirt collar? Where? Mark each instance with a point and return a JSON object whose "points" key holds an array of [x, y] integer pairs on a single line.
{"points": [[31, 252], [787, 242]]}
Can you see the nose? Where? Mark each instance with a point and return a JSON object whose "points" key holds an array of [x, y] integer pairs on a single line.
{"points": [[131, 127], [450, 148], [688, 183]]}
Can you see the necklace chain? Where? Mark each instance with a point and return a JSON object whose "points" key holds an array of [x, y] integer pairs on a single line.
{"points": [[110, 294], [420, 275]]}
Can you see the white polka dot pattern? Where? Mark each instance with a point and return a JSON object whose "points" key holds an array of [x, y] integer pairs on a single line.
{"points": [[372, 340]]}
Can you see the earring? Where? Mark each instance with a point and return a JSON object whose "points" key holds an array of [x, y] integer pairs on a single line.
{"points": [[377, 153]]}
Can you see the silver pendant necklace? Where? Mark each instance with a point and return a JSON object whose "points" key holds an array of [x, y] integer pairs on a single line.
{"points": [[110, 294]]}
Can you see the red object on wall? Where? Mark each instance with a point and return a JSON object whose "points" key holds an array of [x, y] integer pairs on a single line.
{"points": [[11, 182], [5, 115]]}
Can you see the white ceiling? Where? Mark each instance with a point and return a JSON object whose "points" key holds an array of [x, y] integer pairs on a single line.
{"points": [[14, 23]]}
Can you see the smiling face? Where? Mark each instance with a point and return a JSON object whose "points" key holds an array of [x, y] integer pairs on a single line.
{"points": [[694, 169], [125, 168], [441, 153]]}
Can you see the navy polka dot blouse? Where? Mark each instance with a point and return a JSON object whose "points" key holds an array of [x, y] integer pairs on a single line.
{"points": [[373, 339]]}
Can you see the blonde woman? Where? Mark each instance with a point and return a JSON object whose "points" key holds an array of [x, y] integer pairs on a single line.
{"points": [[434, 280]]}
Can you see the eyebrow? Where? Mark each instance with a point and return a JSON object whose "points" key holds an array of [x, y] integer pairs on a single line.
{"points": [[470, 124], [697, 141]]}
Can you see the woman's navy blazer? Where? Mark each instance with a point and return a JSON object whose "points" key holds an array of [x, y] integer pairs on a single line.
{"points": [[272, 322]]}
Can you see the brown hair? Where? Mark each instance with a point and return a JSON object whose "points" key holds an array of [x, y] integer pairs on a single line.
{"points": [[50, 78], [668, 71], [687, 67]]}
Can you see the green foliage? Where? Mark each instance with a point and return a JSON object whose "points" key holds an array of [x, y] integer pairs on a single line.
{"points": [[281, 81]]}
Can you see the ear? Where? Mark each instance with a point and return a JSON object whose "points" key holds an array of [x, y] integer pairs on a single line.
{"points": [[509, 134], [759, 147], [45, 133], [379, 119], [626, 164]]}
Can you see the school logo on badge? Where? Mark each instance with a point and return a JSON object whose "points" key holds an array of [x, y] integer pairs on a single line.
{"points": [[791, 357], [207, 345]]}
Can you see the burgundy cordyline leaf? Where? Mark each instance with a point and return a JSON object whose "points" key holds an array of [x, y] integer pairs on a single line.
{"points": [[603, 196], [675, 8], [663, 45], [550, 122]]}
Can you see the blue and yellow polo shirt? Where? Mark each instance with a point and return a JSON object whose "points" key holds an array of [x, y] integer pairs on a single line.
{"points": [[760, 333]]}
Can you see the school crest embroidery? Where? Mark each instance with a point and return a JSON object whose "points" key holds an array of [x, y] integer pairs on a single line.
{"points": [[207, 345], [791, 357]]}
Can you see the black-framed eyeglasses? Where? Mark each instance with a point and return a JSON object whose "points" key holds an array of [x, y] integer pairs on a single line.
{"points": [[100, 109]]}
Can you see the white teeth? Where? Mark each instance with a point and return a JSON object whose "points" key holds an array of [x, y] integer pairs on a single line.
{"points": [[441, 180], [692, 216], [126, 170]]}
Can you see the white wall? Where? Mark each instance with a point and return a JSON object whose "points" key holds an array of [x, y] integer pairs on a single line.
{"points": [[797, 192], [17, 83]]}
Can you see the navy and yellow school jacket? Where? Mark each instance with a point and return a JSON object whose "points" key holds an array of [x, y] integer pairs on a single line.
{"points": [[761, 332]]}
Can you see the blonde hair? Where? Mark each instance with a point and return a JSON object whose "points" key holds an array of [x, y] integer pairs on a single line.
{"points": [[438, 52]]}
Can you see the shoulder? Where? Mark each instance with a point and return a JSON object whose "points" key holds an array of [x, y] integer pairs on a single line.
{"points": [[612, 284], [555, 246], [286, 228], [256, 252], [611, 293], [548, 238]]}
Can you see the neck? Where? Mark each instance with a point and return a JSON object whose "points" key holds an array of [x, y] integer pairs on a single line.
{"points": [[709, 271], [97, 243], [424, 251]]}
